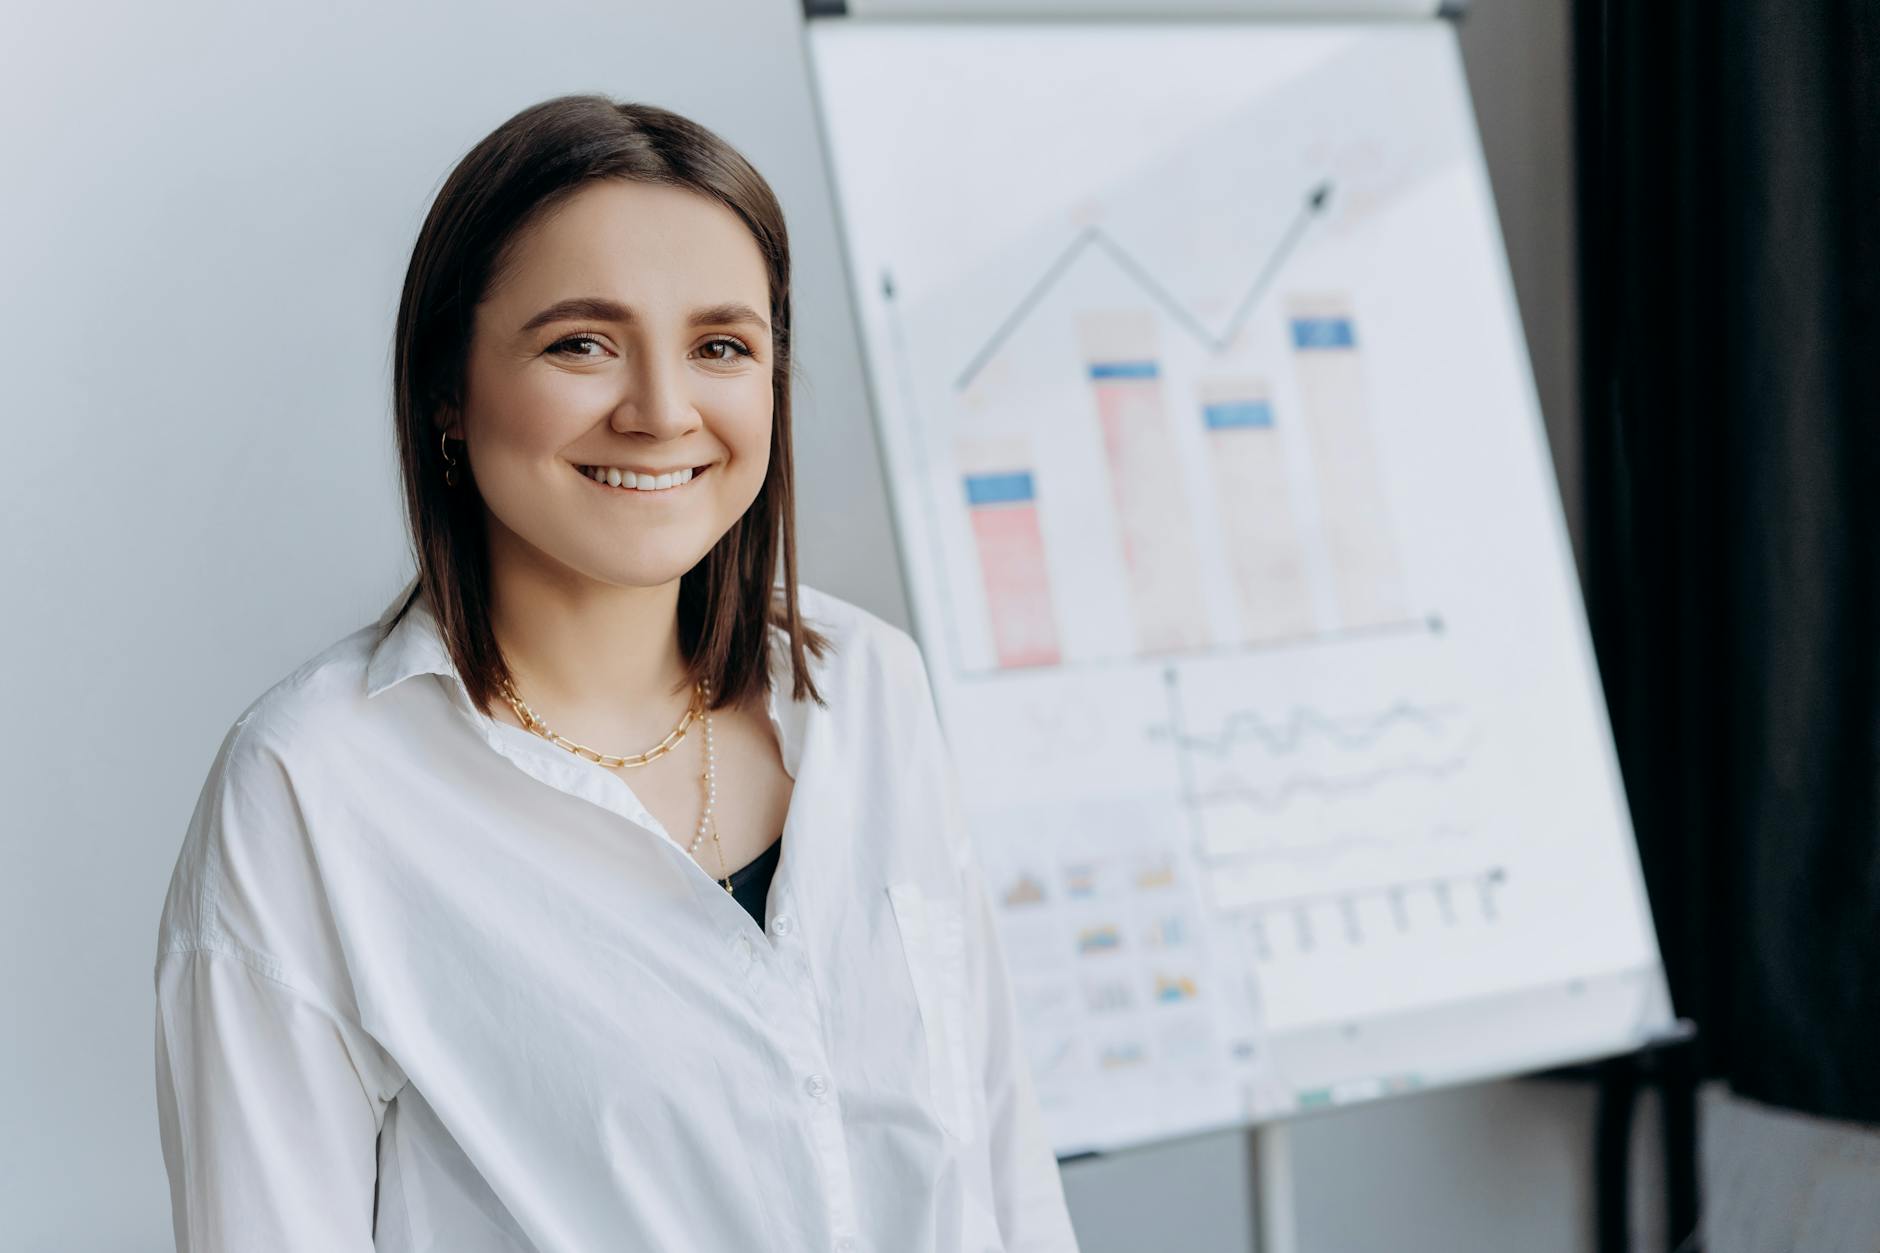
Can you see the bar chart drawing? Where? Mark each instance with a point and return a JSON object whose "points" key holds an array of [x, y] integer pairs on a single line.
{"points": [[1002, 499], [1277, 536], [1352, 512], [1222, 499], [1257, 510], [1146, 481]]}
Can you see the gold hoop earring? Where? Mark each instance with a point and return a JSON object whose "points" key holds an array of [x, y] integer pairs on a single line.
{"points": [[450, 462]]}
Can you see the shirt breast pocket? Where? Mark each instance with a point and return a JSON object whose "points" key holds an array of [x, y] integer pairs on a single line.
{"points": [[933, 939]]}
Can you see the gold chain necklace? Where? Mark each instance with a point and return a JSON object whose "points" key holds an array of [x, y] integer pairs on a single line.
{"points": [[708, 778]]}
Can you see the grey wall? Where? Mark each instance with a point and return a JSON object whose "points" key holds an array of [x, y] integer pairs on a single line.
{"points": [[208, 214], [1519, 59], [208, 211]]}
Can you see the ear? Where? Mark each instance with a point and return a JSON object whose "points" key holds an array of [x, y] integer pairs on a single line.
{"points": [[448, 420]]}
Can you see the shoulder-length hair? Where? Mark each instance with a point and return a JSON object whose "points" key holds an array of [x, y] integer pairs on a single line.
{"points": [[525, 168]]}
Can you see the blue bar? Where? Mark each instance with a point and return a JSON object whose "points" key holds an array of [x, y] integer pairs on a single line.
{"points": [[1237, 413], [1323, 333], [1123, 369], [999, 489]]}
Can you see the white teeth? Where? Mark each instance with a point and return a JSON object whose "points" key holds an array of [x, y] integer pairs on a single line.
{"points": [[637, 482]]}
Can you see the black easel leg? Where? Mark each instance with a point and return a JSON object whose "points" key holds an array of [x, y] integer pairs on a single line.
{"points": [[1678, 1096], [1612, 1145]]}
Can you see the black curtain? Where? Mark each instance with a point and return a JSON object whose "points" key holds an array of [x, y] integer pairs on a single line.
{"points": [[1729, 186]]}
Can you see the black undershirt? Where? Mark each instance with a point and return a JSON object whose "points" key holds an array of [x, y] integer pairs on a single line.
{"points": [[750, 883]]}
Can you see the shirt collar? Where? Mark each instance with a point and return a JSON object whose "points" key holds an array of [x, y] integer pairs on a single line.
{"points": [[416, 646]]}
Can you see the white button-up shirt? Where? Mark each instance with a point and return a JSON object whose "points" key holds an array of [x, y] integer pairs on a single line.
{"points": [[426, 981]]}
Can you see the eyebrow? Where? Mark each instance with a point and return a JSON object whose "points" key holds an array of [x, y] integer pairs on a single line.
{"points": [[601, 309]]}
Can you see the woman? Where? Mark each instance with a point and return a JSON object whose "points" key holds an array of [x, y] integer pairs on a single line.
{"points": [[535, 916]]}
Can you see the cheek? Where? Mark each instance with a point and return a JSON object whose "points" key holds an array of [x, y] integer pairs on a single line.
{"points": [[527, 420], [746, 430]]}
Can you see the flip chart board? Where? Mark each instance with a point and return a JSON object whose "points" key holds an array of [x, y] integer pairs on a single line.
{"points": [[1235, 551]]}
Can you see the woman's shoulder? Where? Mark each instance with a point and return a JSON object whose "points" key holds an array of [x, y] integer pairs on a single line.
{"points": [[883, 716], [863, 642], [245, 879], [876, 682], [318, 704], [318, 698]]}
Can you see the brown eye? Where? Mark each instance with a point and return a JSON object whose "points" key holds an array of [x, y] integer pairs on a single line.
{"points": [[736, 348], [560, 346]]}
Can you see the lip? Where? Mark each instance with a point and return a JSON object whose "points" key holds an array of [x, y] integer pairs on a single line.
{"points": [[698, 472]]}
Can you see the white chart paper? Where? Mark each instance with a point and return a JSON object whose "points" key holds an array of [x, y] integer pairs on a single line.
{"points": [[1238, 561]]}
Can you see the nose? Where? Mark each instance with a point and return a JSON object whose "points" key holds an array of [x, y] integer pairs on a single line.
{"points": [[656, 403]]}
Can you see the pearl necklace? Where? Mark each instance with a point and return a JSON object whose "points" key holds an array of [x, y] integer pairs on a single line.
{"points": [[701, 708], [710, 780]]}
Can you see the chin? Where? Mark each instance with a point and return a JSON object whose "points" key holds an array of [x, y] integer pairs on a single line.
{"points": [[645, 573]]}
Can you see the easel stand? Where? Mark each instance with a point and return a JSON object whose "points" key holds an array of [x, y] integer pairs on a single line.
{"points": [[1275, 1222], [1668, 1064]]}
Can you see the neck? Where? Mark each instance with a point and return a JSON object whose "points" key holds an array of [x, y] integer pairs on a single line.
{"points": [[590, 654]]}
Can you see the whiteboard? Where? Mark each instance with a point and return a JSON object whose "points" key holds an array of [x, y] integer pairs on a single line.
{"points": [[1235, 551], [1163, 9]]}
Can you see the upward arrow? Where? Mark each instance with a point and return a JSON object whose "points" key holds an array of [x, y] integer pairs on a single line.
{"points": [[1095, 235]]}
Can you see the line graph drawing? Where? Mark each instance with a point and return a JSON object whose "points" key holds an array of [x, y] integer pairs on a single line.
{"points": [[1289, 735], [1096, 237], [1250, 334], [1309, 745], [1274, 798]]}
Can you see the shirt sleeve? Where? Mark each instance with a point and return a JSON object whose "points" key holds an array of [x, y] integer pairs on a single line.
{"points": [[269, 1092], [269, 1132]]}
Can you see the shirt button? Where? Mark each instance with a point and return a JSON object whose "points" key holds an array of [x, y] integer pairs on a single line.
{"points": [[845, 1245], [816, 1086], [781, 925]]}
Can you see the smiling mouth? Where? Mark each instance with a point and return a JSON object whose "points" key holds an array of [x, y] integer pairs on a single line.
{"points": [[617, 480]]}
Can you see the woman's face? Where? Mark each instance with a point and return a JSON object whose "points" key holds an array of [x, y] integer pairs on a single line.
{"points": [[629, 334]]}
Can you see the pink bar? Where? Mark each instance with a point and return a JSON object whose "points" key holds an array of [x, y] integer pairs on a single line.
{"points": [[1018, 591], [1146, 481]]}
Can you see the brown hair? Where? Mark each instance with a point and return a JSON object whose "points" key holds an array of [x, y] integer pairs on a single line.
{"points": [[523, 169]]}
